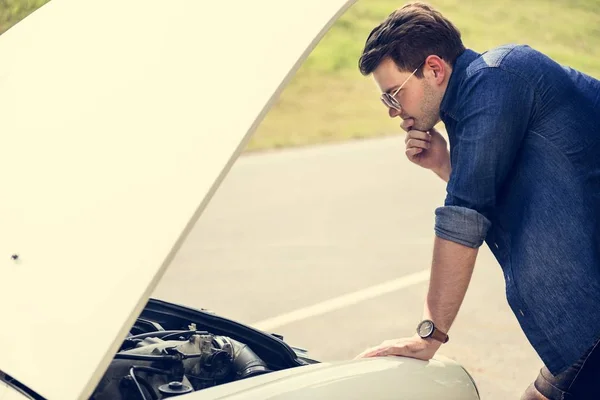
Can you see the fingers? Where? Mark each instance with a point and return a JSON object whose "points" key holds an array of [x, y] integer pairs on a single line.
{"points": [[371, 351], [386, 348], [363, 354], [413, 347], [366, 354], [390, 351], [384, 351], [417, 135], [417, 143], [413, 152], [401, 347]]}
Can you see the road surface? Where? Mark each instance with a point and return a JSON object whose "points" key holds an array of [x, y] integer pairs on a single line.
{"points": [[330, 246]]}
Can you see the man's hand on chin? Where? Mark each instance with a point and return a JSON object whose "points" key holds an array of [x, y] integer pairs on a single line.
{"points": [[414, 347]]}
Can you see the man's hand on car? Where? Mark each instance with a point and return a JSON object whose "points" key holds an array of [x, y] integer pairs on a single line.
{"points": [[414, 347]]}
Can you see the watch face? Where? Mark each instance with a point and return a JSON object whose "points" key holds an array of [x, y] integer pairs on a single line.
{"points": [[425, 328]]}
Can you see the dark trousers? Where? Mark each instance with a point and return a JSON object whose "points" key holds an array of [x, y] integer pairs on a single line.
{"points": [[581, 381]]}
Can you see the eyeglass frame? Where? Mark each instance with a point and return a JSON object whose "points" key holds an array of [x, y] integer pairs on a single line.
{"points": [[392, 102]]}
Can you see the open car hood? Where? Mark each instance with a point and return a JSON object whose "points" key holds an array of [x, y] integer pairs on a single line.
{"points": [[119, 121]]}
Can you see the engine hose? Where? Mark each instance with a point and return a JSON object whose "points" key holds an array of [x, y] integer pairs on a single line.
{"points": [[160, 334], [142, 357], [245, 362], [183, 333], [144, 382]]}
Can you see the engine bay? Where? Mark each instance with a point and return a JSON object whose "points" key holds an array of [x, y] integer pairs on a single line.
{"points": [[167, 363], [172, 350]]}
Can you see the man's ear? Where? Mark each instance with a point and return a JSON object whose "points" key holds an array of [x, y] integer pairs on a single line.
{"points": [[435, 66]]}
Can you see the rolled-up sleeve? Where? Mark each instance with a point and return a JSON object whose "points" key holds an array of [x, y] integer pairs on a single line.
{"points": [[494, 115], [461, 225]]}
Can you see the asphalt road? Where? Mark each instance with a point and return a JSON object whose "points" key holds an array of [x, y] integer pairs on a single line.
{"points": [[328, 246]]}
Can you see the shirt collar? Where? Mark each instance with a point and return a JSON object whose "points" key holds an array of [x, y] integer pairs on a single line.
{"points": [[449, 103]]}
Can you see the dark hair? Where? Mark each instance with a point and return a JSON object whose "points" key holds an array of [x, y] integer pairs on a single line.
{"points": [[408, 36]]}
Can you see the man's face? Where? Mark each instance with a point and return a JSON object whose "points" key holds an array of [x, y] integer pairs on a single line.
{"points": [[419, 98]]}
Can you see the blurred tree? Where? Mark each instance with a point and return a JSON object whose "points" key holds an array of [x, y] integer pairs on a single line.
{"points": [[12, 11]]}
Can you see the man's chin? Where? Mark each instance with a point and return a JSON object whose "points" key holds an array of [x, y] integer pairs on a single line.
{"points": [[425, 126], [422, 128], [426, 123]]}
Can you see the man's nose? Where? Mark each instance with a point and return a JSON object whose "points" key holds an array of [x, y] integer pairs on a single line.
{"points": [[393, 112]]}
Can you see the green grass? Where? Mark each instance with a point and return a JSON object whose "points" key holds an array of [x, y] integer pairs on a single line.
{"points": [[329, 100], [12, 11]]}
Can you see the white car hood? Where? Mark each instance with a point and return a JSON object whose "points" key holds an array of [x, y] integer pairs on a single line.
{"points": [[378, 378], [119, 119]]}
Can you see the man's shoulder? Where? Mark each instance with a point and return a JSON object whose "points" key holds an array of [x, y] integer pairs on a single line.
{"points": [[503, 71], [508, 57]]}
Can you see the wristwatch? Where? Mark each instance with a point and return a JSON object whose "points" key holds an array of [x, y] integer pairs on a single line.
{"points": [[427, 329]]}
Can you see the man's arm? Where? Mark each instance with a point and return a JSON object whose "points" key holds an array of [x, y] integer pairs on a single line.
{"points": [[444, 172], [492, 121], [451, 271]]}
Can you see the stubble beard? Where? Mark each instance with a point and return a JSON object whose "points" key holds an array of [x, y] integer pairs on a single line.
{"points": [[430, 109]]}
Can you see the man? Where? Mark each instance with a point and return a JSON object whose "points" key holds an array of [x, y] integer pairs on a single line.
{"points": [[523, 175]]}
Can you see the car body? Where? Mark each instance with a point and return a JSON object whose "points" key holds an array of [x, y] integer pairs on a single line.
{"points": [[119, 122]]}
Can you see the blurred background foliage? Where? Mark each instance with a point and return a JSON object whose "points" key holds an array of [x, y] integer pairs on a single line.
{"points": [[12, 11], [329, 100]]}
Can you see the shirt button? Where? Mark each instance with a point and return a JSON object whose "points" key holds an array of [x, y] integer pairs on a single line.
{"points": [[496, 244], [521, 311]]}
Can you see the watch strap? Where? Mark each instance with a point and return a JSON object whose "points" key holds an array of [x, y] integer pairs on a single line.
{"points": [[439, 335]]}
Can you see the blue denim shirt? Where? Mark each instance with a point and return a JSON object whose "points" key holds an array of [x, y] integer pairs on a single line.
{"points": [[524, 137]]}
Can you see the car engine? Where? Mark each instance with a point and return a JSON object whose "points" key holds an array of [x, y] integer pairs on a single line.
{"points": [[165, 363]]}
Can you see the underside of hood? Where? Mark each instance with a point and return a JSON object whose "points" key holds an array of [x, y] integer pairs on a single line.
{"points": [[119, 121]]}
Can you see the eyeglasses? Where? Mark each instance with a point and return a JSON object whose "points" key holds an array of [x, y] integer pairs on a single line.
{"points": [[390, 99]]}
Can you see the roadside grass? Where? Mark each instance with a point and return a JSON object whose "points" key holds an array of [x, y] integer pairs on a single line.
{"points": [[328, 100]]}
